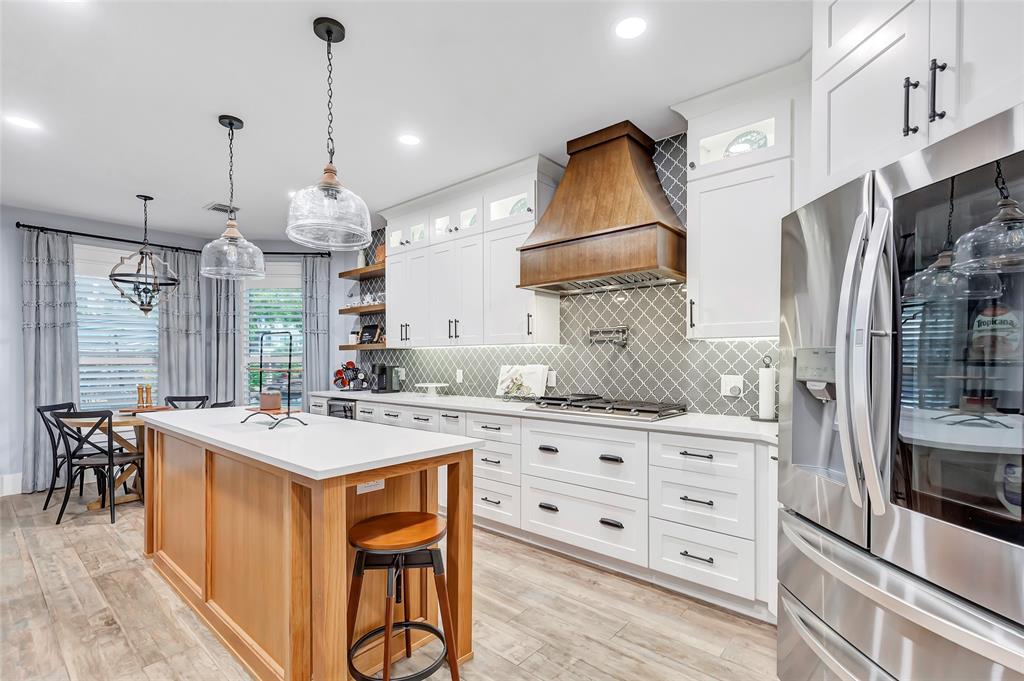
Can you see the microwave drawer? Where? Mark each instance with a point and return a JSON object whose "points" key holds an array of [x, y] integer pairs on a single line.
{"points": [[707, 558], [593, 456], [496, 501], [710, 502], [609, 524], [711, 455], [497, 461], [493, 427]]}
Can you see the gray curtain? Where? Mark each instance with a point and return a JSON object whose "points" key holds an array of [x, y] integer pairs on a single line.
{"points": [[50, 332], [181, 368], [316, 354], [221, 305]]}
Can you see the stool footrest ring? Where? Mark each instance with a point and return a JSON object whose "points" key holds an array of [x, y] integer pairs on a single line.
{"points": [[398, 627]]}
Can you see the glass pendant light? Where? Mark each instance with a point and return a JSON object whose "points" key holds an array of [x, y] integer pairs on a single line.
{"points": [[999, 245], [939, 281], [326, 215], [141, 276], [231, 256]]}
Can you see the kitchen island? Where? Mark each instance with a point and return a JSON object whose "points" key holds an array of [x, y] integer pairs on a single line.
{"points": [[250, 526]]}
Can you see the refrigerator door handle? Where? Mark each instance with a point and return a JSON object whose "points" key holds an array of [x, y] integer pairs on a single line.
{"points": [[846, 300], [817, 636], [860, 353], [915, 601]]}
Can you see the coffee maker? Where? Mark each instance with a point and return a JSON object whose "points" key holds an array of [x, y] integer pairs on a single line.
{"points": [[385, 378]]}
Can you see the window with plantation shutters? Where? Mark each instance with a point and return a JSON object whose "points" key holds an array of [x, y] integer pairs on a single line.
{"points": [[274, 304], [117, 344]]}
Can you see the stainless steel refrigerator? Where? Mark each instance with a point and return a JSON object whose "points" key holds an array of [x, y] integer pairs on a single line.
{"points": [[901, 429]]}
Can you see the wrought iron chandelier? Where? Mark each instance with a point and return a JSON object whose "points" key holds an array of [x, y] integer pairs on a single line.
{"points": [[141, 276], [231, 256], [326, 215]]}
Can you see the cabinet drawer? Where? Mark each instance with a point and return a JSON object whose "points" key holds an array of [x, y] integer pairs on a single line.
{"points": [[593, 456], [714, 456], [367, 412], [494, 428], [391, 416], [710, 502], [452, 422], [610, 524], [497, 461], [421, 419], [707, 558], [496, 501]]}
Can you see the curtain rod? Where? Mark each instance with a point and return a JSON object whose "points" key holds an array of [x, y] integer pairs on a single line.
{"points": [[22, 225]]}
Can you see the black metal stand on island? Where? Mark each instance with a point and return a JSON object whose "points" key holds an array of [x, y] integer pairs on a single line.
{"points": [[276, 414]]}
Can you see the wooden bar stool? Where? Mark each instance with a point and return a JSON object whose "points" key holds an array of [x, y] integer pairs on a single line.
{"points": [[399, 542]]}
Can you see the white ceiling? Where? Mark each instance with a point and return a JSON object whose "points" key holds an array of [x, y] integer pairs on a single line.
{"points": [[128, 94]]}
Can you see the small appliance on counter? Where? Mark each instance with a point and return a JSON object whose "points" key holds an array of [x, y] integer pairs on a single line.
{"points": [[385, 378], [351, 377]]}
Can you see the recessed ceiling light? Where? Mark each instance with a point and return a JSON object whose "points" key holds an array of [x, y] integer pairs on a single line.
{"points": [[630, 28], [411, 140], [22, 122]]}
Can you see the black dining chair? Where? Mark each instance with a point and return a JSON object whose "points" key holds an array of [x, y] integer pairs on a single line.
{"points": [[221, 405], [186, 401], [58, 453], [93, 450]]}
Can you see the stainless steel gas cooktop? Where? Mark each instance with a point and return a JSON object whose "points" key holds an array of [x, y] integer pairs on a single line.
{"points": [[595, 405]]}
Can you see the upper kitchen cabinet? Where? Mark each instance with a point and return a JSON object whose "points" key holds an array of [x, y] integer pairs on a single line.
{"points": [[456, 271], [407, 284], [869, 100], [976, 62], [457, 218], [733, 250], [514, 315], [739, 136], [407, 231], [516, 201]]}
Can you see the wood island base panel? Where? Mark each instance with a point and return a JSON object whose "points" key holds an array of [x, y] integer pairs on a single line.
{"points": [[262, 553]]}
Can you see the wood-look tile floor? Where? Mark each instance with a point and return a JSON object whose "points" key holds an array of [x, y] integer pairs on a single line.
{"points": [[79, 602]]}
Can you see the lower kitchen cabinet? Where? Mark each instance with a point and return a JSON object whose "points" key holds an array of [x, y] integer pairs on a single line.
{"points": [[496, 501], [610, 524], [710, 502], [706, 558], [497, 461]]}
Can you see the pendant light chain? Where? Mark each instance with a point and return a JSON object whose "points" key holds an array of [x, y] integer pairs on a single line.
{"points": [[145, 222], [948, 246], [1001, 182], [231, 172], [330, 102]]}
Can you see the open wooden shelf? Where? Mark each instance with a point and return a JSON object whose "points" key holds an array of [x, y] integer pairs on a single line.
{"points": [[360, 273], [362, 309], [363, 346]]}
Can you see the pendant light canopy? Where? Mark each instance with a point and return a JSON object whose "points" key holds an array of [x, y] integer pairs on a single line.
{"points": [[141, 276], [939, 281], [326, 215], [231, 256], [999, 245]]}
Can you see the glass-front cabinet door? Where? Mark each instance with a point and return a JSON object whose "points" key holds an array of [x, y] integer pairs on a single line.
{"points": [[957, 454], [454, 219], [738, 137], [406, 232], [510, 203]]}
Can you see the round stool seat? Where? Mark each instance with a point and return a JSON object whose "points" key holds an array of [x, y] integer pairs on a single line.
{"points": [[395, 532]]}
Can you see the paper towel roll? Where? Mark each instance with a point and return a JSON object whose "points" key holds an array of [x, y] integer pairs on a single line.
{"points": [[766, 393]]}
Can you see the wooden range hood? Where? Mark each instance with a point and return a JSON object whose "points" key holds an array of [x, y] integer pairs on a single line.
{"points": [[609, 225]]}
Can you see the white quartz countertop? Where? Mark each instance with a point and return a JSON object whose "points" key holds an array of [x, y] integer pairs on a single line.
{"points": [[716, 425], [326, 448]]}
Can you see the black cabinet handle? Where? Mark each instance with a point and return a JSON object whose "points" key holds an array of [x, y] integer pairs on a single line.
{"points": [[449, 328], [709, 457], [612, 523], [529, 323], [391, 415], [548, 507], [548, 448], [491, 501], [610, 458], [421, 419], [365, 411], [456, 328], [497, 461], [692, 301], [449, 416], [686, 554], [935, 67], [490, 427], [907, 85], [774, 458], [709, 502]]}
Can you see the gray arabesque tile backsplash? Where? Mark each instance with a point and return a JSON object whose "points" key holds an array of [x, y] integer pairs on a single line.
{"points": [[659, 363]]}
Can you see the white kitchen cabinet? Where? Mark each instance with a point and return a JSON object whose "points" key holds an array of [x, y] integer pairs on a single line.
{"points": [[857, 120], [733, 249], [456, 270], [511, 202], [396, 272], [367, 411], [407, 232], [739, 136], [979, 41], [457, 218], [768, 525], [407, 313], [711, 559], [513, 315], [838, 27], [444, 293]]}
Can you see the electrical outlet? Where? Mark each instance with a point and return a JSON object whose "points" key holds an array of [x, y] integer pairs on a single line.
{"points": [[732, 385], [552, 378], [458, 375], [401, 373]]}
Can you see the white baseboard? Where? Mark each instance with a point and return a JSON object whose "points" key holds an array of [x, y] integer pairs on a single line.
{"points": [[10, 484]]}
